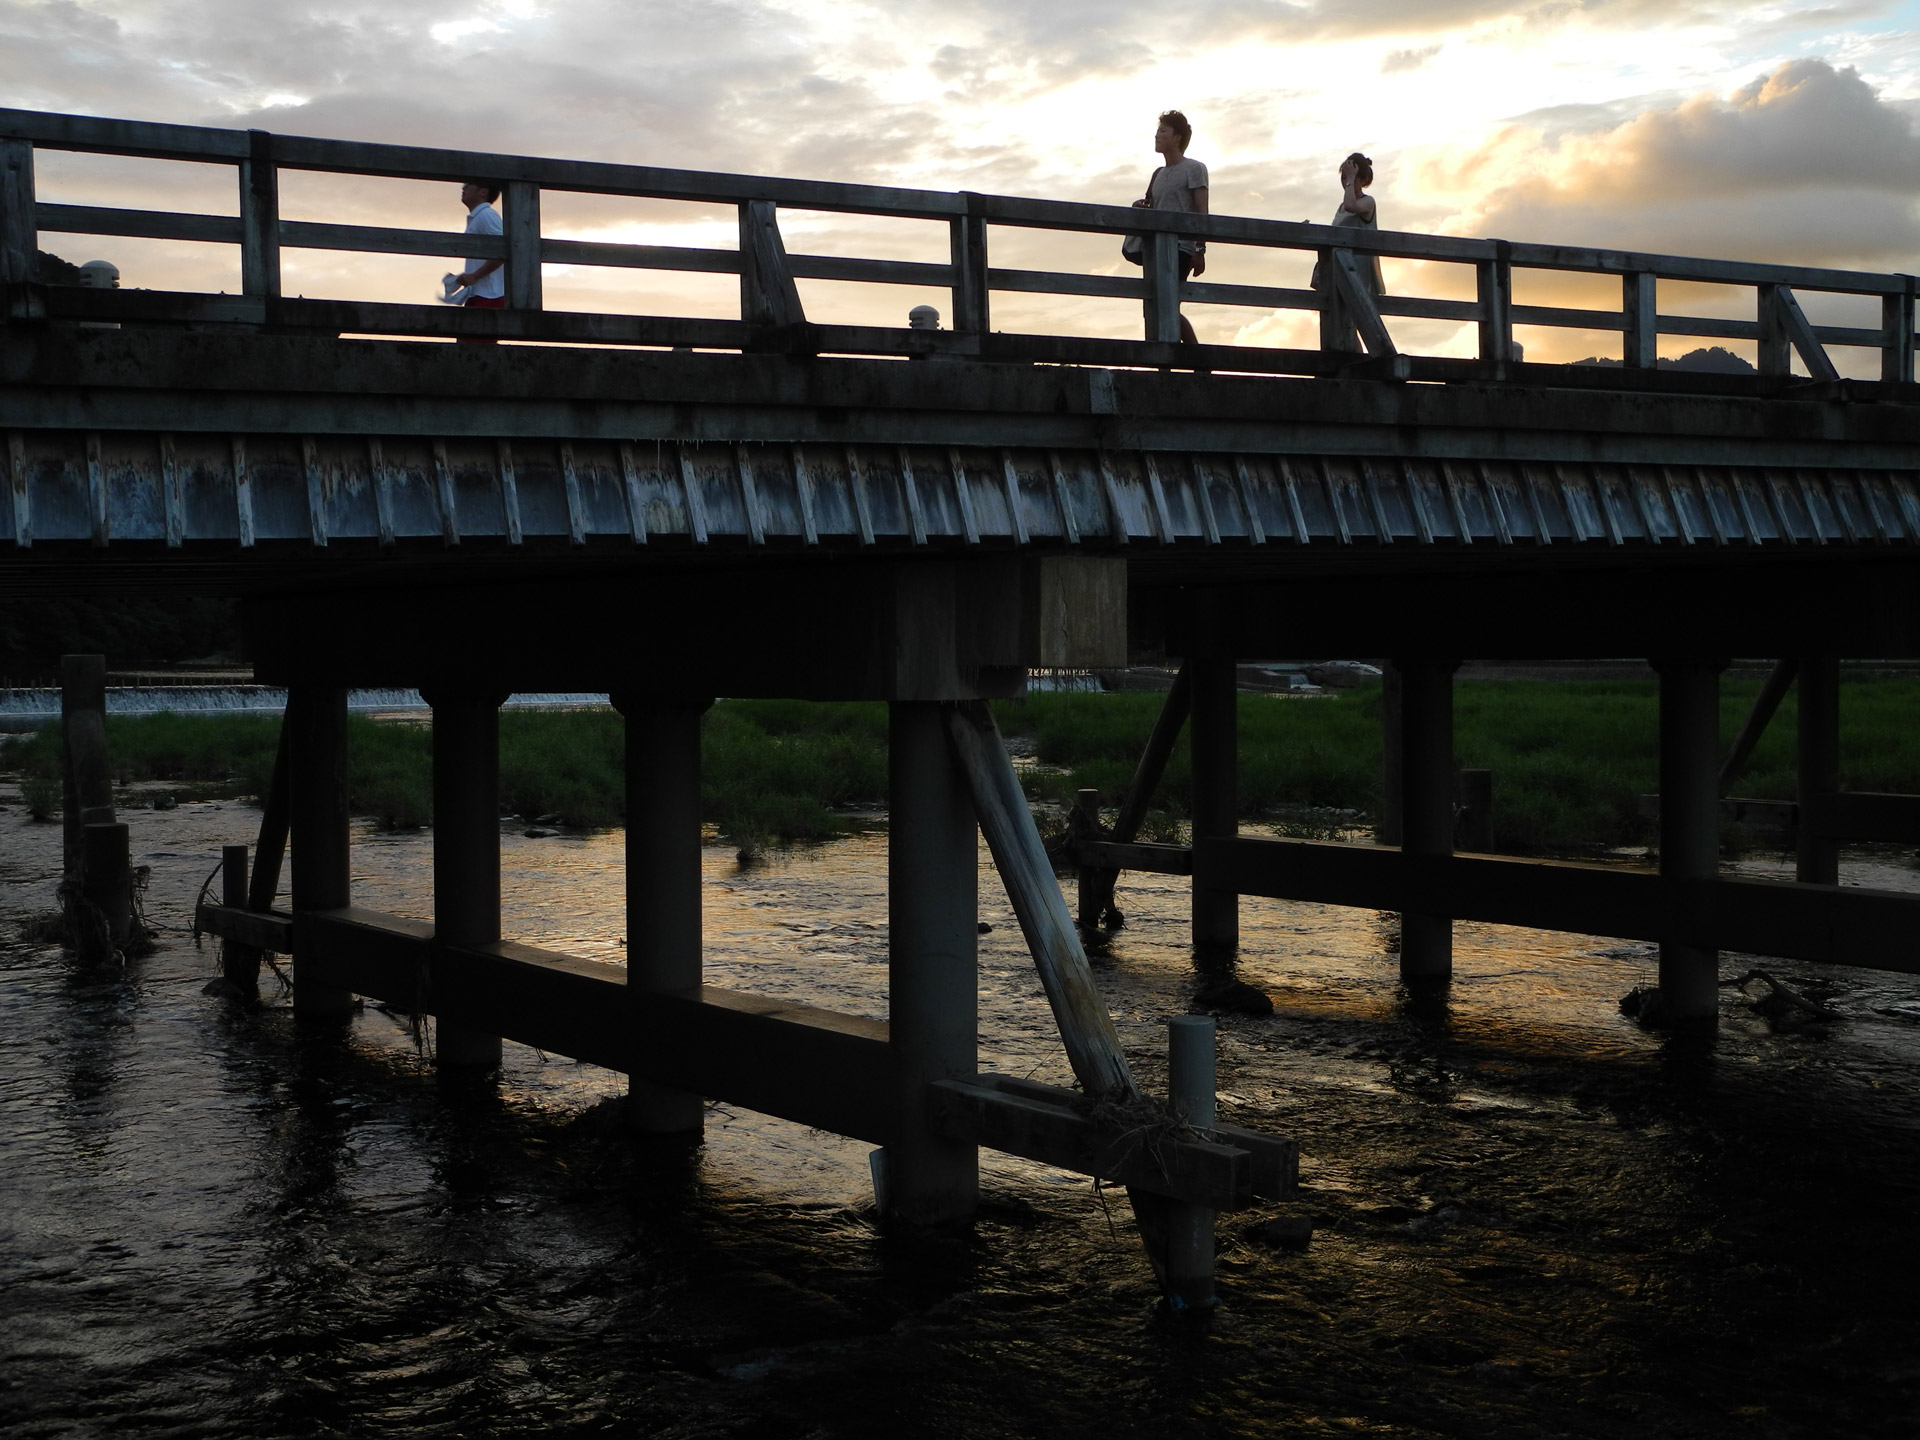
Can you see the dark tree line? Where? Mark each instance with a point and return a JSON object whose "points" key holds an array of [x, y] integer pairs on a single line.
{"points": [[34, 634]]}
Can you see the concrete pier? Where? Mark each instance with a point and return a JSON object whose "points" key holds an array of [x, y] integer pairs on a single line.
{"points": [[1426, 805], [321, 829], [932, 964], [1214, 738], [1689, 823], [663, 880], [466, 847]]}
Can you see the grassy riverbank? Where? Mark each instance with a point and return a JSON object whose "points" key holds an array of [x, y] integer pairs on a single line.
{"points": [[1570, 758]]}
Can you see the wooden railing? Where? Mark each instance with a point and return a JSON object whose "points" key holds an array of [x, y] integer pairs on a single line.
{"points": [[771, 312]]}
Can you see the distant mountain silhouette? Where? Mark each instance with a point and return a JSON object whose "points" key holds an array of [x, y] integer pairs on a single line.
{"points": [[1716, 358]]}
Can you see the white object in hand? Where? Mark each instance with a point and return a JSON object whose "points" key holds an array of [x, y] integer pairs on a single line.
{"points": [[451, 292]]}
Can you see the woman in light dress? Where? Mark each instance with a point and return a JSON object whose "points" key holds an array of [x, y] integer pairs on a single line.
{"points": [[1356, 209]]}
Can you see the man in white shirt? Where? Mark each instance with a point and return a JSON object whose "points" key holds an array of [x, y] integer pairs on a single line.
{"points": [[485, 282], [1179, 184]]}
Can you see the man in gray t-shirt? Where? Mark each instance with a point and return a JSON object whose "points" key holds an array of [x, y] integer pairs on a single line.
{"points": [[1180, 184]]}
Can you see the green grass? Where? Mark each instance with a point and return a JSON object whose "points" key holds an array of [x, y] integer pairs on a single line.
{"points": [[1570, 759]]}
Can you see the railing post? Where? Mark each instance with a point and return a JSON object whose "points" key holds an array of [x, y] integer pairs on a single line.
{"points": [[1162, 274], [968, 240], [522, 226], [1640, 346], [1494, 283], [768, 295], [1784, 329], [1896, 322], [1818, 743], [19, 235], [260, 219], [1776, 357]]}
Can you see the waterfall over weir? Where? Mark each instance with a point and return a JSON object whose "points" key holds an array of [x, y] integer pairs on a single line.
{"points": [[28, 709]]}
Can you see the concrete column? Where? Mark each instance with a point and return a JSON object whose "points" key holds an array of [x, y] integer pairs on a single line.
{"points": [[320, 827], [1214, 740], [1426, 798], [1819, 746], [932, 965], [663, 880], [1388, 831], [1689, 823], [1191, 1088], [466, 847]]}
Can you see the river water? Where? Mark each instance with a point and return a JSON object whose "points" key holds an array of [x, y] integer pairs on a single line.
{"points": [[1533, 1219]]}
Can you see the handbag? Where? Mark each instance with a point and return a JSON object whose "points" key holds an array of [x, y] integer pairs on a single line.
{"points": [[1133, 248]]}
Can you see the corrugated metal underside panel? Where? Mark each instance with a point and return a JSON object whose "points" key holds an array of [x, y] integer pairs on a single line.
{"points": [[111, 487]]}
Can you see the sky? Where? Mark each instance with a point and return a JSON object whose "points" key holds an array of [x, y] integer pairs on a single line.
{"points": [[1732, 128]]}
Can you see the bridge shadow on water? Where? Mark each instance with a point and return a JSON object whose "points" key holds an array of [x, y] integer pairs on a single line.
{"points": [[1532, 1219]]}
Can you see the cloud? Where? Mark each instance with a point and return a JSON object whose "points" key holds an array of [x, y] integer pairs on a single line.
{"points": [[1806, 163], [1400, 61]]}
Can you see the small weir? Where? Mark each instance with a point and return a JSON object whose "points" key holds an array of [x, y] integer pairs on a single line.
{"points": [[28, 709]]}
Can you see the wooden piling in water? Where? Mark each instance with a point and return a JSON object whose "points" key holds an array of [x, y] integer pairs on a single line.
{"points": [[1214, 740], [466, 847], [107, 878], [321, 827], [663, 880], [932, 963], [86, 784], [1426, 797], [1818, 744], [1191, 1091], [1689, 823], [239, 964]]}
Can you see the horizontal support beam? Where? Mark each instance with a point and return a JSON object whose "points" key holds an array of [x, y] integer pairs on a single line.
{"points": [[800, 1063], [816, 1067], [1861, 815], [1770, 814], [1830, 924], [1275, 1171], [270, 931], [1058, 1131], [1847, 815], [1155, 859]]}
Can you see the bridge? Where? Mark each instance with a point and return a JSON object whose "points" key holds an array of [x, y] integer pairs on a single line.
{"points": [[920, 516]]}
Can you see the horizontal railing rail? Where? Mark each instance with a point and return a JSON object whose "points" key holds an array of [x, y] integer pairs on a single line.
{"points": [[1352, 319]]}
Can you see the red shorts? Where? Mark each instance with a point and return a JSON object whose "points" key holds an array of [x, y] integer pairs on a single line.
{"points": [[483, 302]]}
